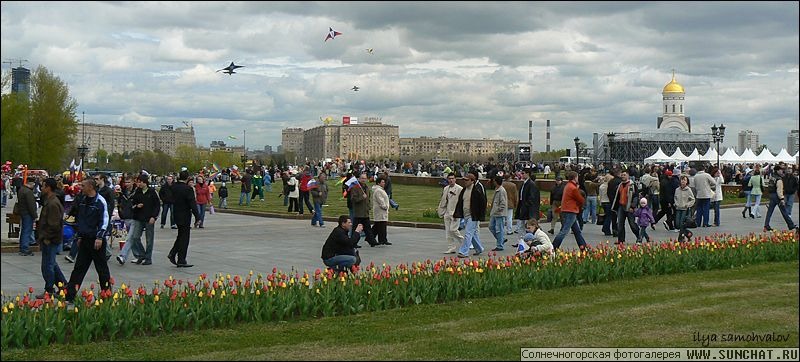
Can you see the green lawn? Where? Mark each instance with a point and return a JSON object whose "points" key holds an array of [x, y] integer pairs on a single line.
{"points": [[658, 311], [413, 200]]}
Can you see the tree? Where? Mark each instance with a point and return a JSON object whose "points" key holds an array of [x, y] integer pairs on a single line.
{"points": [[38, 132]]}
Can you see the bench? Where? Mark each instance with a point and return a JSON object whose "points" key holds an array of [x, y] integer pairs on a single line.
{"points": [[13, 219]]}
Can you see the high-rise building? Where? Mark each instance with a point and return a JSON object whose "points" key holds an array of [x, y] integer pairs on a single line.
{"points": [[292, 140], [793, 142], [456, 148], [747, 139], [21, 80]]}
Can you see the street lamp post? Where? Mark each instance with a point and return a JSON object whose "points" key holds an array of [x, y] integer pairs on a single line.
{"points": [[718, 134], [577, 150]]}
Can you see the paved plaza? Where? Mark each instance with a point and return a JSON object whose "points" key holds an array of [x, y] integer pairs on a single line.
{"points": [[235, 244]]}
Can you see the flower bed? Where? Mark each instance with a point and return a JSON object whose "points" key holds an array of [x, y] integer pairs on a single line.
{"points": [[224, 300]]}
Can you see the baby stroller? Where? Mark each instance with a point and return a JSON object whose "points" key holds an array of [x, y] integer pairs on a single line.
{"points": [[118, 229]]}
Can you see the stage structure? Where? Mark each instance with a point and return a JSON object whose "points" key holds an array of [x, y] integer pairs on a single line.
{"points": [[636, 146]]}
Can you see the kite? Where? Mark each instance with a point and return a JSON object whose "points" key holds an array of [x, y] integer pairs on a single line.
{"points": [[229, 69], [369, 51], [355, 88], [332, 34]]}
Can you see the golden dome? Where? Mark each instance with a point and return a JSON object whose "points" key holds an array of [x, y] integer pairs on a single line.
{"points": [[673, 86]]}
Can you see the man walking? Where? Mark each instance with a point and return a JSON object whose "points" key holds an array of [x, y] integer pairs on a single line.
{"points": [[93, 223], [360, 200], [26, 209], [777, 197], [50, 235], [185, 206], [472, 208], [705, 186], [246, 183], [108, 195], [511, 192], [499, 213], [446, 210], [166, 201], [145, 213], [571, 203], [529, 200], [625, 202], [319, 193]]}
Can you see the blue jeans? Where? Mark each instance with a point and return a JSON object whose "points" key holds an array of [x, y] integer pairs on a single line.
{"points": [[569, 220], [4, 198], [317, 217], [164, 209], [789, 203], [50, 271], [702, 216], [244, 196], [715, 206], [26, 233], [680, 218], [471, 236], [590, 210], [340, 262], [496, 226], [201, 210], [134, 241], [774, 201]]}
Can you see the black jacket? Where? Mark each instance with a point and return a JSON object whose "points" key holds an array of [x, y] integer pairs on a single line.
{"points": [[339, 243], [108, 195], [165, 193], [558, 193], [477, 204], [185, 204], [223, 191], [125, 205], [152, 205], [528, 205]]}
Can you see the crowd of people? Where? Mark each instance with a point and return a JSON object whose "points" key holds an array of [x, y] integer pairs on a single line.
{"points": [[637, 195]]}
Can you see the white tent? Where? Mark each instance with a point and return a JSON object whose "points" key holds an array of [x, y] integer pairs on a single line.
{"points": [[711, 155], [766, 156], [694, 156], [659, 156], [785, 156], [678, 155], [748, 156], [730, 156]]}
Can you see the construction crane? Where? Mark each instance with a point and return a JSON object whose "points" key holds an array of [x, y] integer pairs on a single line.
{"points": [[15, 60]]}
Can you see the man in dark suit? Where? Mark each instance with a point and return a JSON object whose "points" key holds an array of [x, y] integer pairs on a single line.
{"points": [[528, 201], [184, 207]]}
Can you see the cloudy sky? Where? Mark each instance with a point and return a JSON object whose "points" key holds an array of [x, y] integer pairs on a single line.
{"points": [[453, 69]]}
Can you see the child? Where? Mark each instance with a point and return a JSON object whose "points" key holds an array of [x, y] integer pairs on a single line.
{"points": [[644, 218], [535, 240], [223, 196]]}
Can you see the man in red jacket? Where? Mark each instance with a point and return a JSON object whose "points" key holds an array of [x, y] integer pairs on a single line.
{"points": [[571, 203]]}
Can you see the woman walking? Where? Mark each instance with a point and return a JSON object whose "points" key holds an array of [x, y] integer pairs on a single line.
{"points": [[755, 183]]}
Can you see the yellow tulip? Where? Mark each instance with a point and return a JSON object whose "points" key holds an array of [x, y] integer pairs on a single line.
{"points": [[5, 310], [258, 291], [156, 298], [60, 305], [11, 305], [116, 295], [97, 302], [200, 294], [222, 294], [213, 292], [76, 309], [60, 284]]}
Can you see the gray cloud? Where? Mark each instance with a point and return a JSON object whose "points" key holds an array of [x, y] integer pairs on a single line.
{"points": [[457, 69]]}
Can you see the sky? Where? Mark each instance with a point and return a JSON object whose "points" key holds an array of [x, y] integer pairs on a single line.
{"points": [[468, 70]]}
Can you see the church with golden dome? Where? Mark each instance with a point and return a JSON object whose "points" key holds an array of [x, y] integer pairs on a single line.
{"points": [[673, 115]]}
